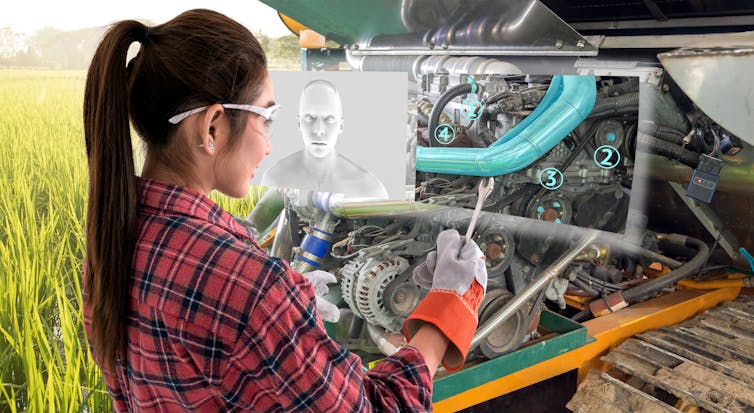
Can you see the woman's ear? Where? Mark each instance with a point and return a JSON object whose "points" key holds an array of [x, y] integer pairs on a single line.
{"points": [[212, 129]]}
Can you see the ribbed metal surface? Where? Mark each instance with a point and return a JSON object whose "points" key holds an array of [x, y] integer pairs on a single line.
{"points": [[707, 361]]}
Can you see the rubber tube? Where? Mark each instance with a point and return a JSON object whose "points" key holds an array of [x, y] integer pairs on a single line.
{"points": [[650, 144], [614, 104], [445, 98], [667, 134], [650, 288]]}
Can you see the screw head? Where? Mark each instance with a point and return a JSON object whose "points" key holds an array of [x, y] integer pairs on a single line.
{"points": [[558, 44], [580, 44]]}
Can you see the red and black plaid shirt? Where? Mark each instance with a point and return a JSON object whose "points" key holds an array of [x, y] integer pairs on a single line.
{"points": [[216, 325]]}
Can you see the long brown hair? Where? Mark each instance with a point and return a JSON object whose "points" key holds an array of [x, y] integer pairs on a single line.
{"points": [[199, 58]]}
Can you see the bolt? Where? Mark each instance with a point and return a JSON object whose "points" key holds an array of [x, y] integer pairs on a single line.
{"points": [[580, 44], [431, 45], [558, 44], [665, 87], [445, 45]]}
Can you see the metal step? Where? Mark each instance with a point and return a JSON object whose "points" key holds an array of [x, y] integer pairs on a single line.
{"points": [[706, 361]]}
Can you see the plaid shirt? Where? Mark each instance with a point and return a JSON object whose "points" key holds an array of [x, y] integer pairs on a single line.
{"points": [[216, 325]]}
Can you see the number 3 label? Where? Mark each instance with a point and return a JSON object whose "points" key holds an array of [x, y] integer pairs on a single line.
{"points": [[551, 178], [607, 157]]}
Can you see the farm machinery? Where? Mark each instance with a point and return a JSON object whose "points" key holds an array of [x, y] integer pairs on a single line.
{"points": [[619, 140]]}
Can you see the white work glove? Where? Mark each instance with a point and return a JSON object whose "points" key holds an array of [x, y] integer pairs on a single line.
{"points": [[319, 279], [455, 272]]}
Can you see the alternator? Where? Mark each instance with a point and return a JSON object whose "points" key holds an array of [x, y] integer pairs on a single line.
{"points": [[363, 284]]}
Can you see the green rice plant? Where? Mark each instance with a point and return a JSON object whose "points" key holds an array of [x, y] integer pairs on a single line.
{"points": [[45, 361]]}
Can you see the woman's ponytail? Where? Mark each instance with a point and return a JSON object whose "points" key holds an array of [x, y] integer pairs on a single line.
{"points": [[111, 208]]}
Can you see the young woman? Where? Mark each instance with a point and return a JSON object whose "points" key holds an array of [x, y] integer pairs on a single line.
{"points": [[184, 311]]}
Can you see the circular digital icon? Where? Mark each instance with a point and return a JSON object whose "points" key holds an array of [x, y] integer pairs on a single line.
{"points": [[445, 134], [471, 108], [607, 157], [551, 178]]}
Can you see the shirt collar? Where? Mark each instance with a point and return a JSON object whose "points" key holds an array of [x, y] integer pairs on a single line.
{"points": [[164, 198]]}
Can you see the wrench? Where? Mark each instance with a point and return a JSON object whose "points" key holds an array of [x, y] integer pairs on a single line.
{"points": [[484, 192]]}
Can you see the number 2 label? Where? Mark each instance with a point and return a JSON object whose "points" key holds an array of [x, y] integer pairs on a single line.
{"points": [[610, 157]]}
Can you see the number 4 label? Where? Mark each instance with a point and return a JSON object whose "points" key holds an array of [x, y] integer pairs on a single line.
{"points": [[444, 134]]}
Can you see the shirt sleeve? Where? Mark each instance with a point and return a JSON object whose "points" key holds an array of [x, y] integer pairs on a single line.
{"points": [[285, 361]]}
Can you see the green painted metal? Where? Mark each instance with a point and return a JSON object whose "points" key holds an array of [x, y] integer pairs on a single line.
{"points": [[344, 21], [263, 216], [570, 335]]}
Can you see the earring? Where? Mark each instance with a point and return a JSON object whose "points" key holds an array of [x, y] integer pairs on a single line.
{"points": [[211, 146]]}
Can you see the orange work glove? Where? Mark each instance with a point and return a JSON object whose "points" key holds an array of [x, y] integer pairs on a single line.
{"points": [[457, 278]]}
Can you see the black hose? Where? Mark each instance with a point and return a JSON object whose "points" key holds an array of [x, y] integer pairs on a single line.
{"points": [[582, 315], [671, 135], [492, 99], [583, 286], [650, 288], [615, 105], [445, 98], [650, 144]]}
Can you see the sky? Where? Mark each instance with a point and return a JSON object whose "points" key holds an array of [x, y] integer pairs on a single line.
{"points": [[28, 16]]}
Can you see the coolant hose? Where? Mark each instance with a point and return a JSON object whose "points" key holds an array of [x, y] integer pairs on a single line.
{"points": [[568, 101], [650, 144], [445, 98], [650, 288]]}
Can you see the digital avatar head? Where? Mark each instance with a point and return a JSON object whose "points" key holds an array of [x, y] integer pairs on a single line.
{"points": [[320, 118]]}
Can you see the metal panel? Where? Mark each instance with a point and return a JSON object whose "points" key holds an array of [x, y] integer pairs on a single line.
{"points": [[478, 27], [716, 76]]}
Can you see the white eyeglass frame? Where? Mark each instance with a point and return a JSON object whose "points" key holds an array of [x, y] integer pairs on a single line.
{"points": [[266, 113]]}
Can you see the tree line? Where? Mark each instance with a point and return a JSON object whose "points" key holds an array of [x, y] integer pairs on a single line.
{"points": [[53, 48]]}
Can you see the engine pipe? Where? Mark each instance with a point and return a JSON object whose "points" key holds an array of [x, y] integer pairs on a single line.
{"points": [[315, 246], [568, 101], [543, 281], [351, 208]]}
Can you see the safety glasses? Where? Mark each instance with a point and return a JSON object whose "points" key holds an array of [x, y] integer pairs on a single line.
{"points": [[267, 113]]}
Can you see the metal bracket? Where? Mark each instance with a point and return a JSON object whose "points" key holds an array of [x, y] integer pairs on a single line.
{"points": [[709, 219]]}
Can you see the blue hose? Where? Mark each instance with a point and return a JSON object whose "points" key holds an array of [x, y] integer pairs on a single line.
{"points": [[568, 101]]}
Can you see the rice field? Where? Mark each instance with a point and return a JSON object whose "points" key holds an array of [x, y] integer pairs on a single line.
{"points": [[45, 363]]}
